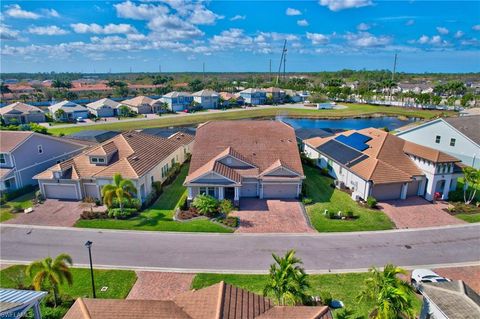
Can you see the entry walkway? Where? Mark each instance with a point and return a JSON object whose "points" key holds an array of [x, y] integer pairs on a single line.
{"points": [[271, 216], [416, 212]]}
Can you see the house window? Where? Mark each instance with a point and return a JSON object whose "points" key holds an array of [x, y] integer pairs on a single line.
{"points": [[2, 159], [40, 149], [94, 160], [207, 191], [173, 161], [437, 139], [152, 179], [452, 142], [203, 191], [101, 160], [211, 191], [164, 170], [7, 183]]}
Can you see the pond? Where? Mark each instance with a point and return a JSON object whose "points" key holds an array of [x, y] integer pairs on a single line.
{"points": [[390, 122]]}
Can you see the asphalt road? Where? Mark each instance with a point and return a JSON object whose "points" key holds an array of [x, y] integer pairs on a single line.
{"points": [[243, 253]]}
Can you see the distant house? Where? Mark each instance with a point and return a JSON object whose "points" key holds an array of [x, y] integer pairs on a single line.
{"points": [[178, 101], [449, 300], [24, 154], [254, 96], [21, 113], [236, 159], [372, 162], [457, 136], [142, 158], [276, 94], [94, 136], [219, 301], [104, 108], [71, 111], [143, 105], [230, 99], [207, 99]]}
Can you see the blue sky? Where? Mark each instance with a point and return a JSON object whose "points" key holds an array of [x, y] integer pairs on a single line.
{"points": [[180, 35]]}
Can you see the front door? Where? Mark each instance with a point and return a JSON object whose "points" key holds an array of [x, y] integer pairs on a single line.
{"points": [[229, 193]]}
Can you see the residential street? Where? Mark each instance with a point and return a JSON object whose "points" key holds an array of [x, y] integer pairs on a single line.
{"points": [[244, 253]]}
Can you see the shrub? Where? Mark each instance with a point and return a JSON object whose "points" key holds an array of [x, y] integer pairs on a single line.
{"points": [[307, 160], [127, 203], [230, 221], [89, 199], [331, 215], [90, 214], [456, 196], [39, 196], [3, 199], [324, 171], [371, 202], [157, 186], [205, 204], [307, 201], [326, 297], [225, 206], [19, 192], [119, 214], [349, 214]]}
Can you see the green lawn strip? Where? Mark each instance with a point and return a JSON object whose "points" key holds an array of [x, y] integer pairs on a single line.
{"points": [[119, 282], [159, 217], [344, 287], [326, 197], [23, 201], [353, 110], [469, 218]]}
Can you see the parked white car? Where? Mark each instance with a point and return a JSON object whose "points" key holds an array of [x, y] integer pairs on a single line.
{"points": [[425, 275]]}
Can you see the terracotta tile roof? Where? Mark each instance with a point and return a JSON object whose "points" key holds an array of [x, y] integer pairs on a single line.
{"points": [[388, 156], [258, 143], [297, 313], [132, 154], [223, 301], [138, 101], [11, 139], [124, 309], [428, 153], [20, 107], [182, 138]]}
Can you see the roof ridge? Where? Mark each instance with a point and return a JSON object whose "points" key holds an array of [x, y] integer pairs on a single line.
{"points": [[221, 298], [83, 308]]}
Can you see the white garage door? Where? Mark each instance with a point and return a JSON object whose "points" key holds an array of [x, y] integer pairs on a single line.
{"points": [[387, 191], [279, 191], [60, 191], [248, 190]]}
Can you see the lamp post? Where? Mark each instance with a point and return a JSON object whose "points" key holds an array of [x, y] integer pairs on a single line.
{"points": [[88, 244]]}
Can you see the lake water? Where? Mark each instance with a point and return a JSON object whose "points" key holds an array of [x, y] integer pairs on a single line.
{"points": [[390, 122]]}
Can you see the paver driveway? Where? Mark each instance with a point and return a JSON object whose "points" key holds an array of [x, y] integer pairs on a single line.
{"points": [[160, 285], [416, 212], [271, 216], [53, 212]]}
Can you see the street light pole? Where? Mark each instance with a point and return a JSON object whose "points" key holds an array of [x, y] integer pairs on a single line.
{"points": [[88, 244]]}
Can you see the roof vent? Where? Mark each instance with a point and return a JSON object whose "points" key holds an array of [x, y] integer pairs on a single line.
{"points": [[254, 154], [135, 158], [129, 135]]}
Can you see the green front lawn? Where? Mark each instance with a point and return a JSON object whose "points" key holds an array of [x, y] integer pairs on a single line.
{"points": [[353, 110], [159, 216], [22, 202], [334, 200], [469, 218], [344, 287]]}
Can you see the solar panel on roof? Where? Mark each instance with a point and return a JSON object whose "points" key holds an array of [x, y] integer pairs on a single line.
{"points": [[355, 140], [339, 152]]}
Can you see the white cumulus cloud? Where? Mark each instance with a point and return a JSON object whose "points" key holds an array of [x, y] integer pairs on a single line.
{"points": [[292, 12], [98, 29], [15, 11], [338, 5], [367, 40], [318, 38], [459, 34], [7, 33], [302, 23], [442, 30], [47, 30], [238, 17], [363, 27], [130, 10], [476, 27]]}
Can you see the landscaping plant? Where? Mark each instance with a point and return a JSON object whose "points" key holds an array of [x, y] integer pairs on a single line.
{"points": [[225, 206], [205, 204], [287, 282], [392, 296], [120, 189], [51, 273], [371, 202], [472, 183]]}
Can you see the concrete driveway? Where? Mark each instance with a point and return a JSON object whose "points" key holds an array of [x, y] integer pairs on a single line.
{"points": [[271, 216], [416, 212], [53, 212]]}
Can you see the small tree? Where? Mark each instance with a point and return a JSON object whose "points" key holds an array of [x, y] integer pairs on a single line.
{"points": [[226, 206], [59, 114], [120, 190], [472, 183], [205, 204], [392, 297], [287, 282], [51, 273]]}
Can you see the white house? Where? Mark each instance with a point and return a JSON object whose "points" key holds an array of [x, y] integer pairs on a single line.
{"points": [[71, 110], [208, 99], [254, 96], [372, 162], [457, 136], [178, 101], [104, 108]]}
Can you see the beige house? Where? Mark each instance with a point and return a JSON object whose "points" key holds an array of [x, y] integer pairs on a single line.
{"points": [[21, 113], [142, 158], [235, 159], [143, 105]]}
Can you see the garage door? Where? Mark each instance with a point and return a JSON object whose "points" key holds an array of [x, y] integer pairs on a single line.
{"points": [[60, 191], [279, 190], [413, 188], [92, 190], [387, 191], [248, 190]]}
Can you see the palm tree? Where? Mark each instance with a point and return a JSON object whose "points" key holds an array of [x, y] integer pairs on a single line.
{"points": [[392, 297], [120, 189], [60, 114], [51, 273], [287, 281]]}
